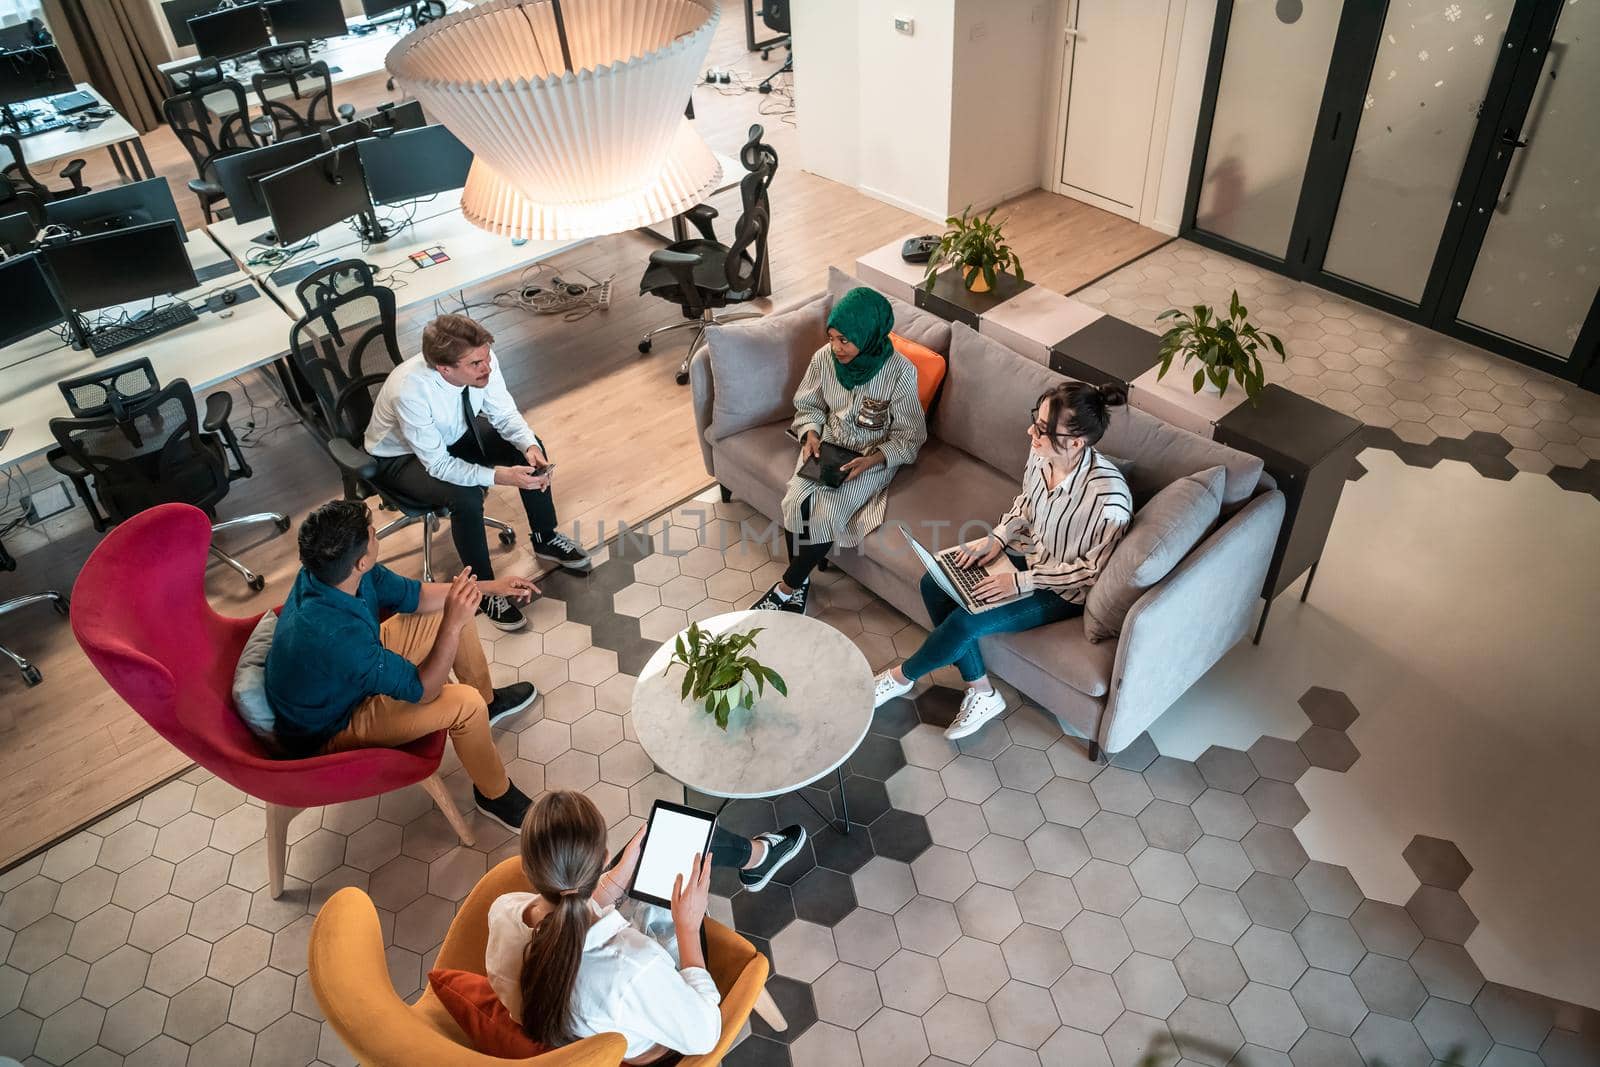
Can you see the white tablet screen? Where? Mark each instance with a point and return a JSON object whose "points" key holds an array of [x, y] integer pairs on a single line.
{"points": [[669, 850]]}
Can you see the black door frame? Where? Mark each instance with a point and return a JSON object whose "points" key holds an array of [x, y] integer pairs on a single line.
{"points": [[1512, 85]]}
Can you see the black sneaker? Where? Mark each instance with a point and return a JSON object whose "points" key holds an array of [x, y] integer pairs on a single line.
{"points": [[501, 612], [510, 699], [561, 549], [782, 847], [773, 601], [508, 809]]}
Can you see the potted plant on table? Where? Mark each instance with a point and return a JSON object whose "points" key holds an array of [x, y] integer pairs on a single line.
{"points": [[978, 247], [720, 674], [1226, 346]]}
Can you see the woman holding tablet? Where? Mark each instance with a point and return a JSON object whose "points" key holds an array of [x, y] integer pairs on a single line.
{"points": [[568, 964]]}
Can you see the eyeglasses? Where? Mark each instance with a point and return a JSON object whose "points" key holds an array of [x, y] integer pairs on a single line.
{"points": [[1036, 425]]}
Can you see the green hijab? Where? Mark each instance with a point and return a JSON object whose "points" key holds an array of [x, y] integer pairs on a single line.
{"points": [[864, 317]]}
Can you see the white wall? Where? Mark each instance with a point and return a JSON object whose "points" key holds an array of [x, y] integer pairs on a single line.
{"points": [[999, 99], [1194, 48], [872, 104]]}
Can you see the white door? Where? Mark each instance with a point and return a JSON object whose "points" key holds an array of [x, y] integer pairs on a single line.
{"points": [[1111, 72]]}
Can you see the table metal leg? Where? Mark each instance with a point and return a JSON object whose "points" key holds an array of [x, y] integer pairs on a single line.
{"points": [[116, 161], [144, 160], [844, 805], [1262, 625], [1311, 576]]}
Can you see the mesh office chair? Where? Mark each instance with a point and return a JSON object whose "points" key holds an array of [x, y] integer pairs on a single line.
{"points": [[30, 673], [308, 107], [132, 443], [775, 14], [206, 135], [18, 175], [343, 348], [702, 275]]}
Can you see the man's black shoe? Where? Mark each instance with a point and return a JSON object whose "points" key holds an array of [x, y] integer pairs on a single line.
{"points": [[510, 699], [560, 549], [508, 809], [782, 847], [774, 601], [501, 612]]}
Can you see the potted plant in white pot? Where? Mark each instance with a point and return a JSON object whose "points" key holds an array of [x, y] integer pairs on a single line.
{"points": [[977, 245], [1227, 347], [719, 674]]}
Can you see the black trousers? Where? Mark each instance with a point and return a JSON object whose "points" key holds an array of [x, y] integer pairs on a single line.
{"points": [[804, 555], [408, 476]]}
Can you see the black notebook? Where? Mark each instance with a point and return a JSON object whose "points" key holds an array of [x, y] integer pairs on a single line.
{"points": [[825, 469]]}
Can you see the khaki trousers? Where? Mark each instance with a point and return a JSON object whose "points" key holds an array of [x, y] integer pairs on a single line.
{"points": [[461, 707]]}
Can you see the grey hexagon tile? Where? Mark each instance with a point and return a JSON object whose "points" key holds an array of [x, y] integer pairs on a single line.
{"points": [[1059, 850], [1169, 826], [1274, 850], [846, 995], [1270, 956], [1068, 802], [1273, 901], [884, 885], [1219, 862], [1224, 814], [1441, 914], [1205, 1032], [1389, 986], [892, 1037], [911, 982], [1226, 769], [865, 937], [70, 1031], [1278, 759], [943, 873], [1268, 1016], [1022, 1015], [1105, 887], [1215, 914], [198, 1010], [1163, 875], [1114, 837], [1386, 928], [1097, 941], [1149, 985], [1513, 1017], [1001, 861], [54, 986], [1157, 928], [1447, 971], [1328, 889], [1069, 1045], [1134, 1037], [1453, 1030], [1381, 1038], [1174, 780], [1329, 708], [1276, 803], [927, 925], [1047, 900], [958, 1029], [1329, 942]]}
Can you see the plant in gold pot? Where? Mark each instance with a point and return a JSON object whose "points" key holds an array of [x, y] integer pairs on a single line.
{"points": [[977, 246], [1226, 346], [719, 673]]}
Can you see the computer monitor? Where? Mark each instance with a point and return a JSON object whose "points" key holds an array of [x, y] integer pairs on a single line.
{"points": [[117, 208], [406, 116], [17, 232], [120, 266], [30, 73], [371, 8], [306, 20], [240, 174], [30, 304], [413, 163], [179, 12], [230, 32], [316, 194]]}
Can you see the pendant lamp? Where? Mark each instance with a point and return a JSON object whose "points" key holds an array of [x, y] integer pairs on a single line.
{"points": [[573, 110]]}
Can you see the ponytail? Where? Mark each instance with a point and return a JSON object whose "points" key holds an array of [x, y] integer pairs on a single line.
{"points": [[1084, 410], [563, 853]]}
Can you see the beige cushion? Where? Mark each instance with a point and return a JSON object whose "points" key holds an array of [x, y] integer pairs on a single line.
{"points": [[1060, 650], [910, 322], [250, 680], [1161, 534], [757, 366], [1157, 453], [988, 392]]}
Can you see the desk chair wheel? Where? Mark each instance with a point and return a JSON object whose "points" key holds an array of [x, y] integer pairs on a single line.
{"points": [[682, 377], [31, 676], [256, 583], [508, 537], [281, 524], [63, 608], [644, 346]]}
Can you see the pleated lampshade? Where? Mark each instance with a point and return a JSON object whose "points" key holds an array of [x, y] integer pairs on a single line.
{"points": [[562, 154]]}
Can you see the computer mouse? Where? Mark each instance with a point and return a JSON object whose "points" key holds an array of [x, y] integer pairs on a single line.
{"points": [[225, 313], [229, 297]]}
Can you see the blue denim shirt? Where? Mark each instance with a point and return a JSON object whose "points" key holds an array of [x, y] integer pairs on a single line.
{"points": [[326, 656]]}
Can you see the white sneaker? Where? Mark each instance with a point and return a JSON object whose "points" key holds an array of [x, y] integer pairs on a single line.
{"points": [[976, 710], [885, 689]]}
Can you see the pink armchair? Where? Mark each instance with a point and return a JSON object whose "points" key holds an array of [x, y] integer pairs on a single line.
{"points": [[139, 610]]}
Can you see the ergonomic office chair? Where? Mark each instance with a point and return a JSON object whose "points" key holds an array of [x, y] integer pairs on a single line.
{"points": [[208, 135], [702, 275], [344, 347], [775, 13], [30, 673], [132, 443], [309, 106], [17, 173]]}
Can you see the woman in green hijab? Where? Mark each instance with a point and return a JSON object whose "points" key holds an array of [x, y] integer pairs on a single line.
{"points": [[860, 394]]}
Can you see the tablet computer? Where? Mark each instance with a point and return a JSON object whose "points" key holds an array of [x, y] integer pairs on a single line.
{"points": [[673, 837]]}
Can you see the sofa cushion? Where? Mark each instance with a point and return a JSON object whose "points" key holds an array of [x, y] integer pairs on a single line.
{"points": [[476, 1008], [910, 321], [1061, 649], [757, 366], [1158, 453], [921, 500], [1162, 532], [767, 453], [930, 367], [250, 681], [988, 392]]}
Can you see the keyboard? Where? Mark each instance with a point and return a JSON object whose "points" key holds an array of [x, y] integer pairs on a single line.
{"points": [[42, 123], [965, 579], [109, 339]]}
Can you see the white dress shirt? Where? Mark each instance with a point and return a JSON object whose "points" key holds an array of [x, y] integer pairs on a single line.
{"points": [[1069, 532], [419, 413], [628, 981]]}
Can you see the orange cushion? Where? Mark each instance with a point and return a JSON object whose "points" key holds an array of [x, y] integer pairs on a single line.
{"points": [[472, 1003], [929, 364]]}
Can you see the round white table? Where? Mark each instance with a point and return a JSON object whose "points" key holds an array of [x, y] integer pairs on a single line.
{"points": [[783, 742]]}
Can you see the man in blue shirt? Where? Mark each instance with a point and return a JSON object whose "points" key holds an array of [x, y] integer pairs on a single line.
{"points": [[338, 678]]}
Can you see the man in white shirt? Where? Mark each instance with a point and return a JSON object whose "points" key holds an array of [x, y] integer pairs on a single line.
{"points": [[444, 428]]}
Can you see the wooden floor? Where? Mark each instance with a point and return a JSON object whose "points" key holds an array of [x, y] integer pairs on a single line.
{"points": [[615, 421]]}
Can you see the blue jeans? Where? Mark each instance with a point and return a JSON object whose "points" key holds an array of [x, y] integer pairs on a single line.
{"points": [[955, 633]]}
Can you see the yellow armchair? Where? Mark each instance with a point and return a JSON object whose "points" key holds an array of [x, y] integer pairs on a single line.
{"points": [[351, 983]]}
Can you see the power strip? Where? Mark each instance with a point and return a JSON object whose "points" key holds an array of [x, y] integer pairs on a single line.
{"points": [[47, 503]]}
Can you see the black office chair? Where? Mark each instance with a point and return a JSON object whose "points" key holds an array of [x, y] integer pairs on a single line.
{"points": [[344, 347], [702, 275], [206, 135], [132, 443], [30, 673], [775, 14], [19, 176], [308, 107], [21, 200]]}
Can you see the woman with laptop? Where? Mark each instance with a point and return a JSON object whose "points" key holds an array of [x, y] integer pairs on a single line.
{"points": [[568, 963], [858, 420], [1058, 534]]}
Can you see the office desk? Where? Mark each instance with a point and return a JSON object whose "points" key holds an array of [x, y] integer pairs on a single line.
{"points": [[116, 135], [204, 353]]}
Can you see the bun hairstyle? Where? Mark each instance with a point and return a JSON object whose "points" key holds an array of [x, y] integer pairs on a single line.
{"points": [[563, 856], [1084, 410]]}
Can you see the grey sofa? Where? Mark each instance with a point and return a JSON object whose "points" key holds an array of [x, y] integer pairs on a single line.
{"points": [[1107, 692]]}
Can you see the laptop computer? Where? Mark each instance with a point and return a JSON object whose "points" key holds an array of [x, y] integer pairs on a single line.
{"points": [[958, 582]]}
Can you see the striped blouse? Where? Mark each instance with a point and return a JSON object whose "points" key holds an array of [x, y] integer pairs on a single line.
{"points": [[1067, 533]]}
